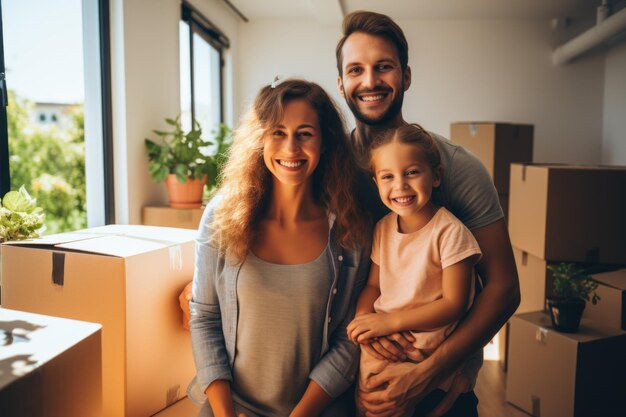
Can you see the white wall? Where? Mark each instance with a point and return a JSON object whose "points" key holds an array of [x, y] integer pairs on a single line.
{"points": [[294, 48], [614, 132], [462, 70], [145, 77]]}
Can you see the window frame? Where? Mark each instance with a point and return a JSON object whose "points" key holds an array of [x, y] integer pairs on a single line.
{"points": [[106, 208], [203, 27]]}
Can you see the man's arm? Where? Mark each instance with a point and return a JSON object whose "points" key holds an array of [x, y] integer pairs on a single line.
{"points": [[492, 307]]}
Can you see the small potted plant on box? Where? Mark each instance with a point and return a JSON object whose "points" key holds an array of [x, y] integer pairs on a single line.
{"points": [[185, 162], [572, 288]]}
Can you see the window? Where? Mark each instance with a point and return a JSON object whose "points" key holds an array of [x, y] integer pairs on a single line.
{"points": [[54, 133], [201, 48]]}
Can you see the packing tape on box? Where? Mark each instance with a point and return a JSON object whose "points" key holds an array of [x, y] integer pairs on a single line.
{"points": [[176, 258], [541, 335], [58, 268]]}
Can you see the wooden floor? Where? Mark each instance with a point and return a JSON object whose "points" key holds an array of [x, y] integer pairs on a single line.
{"points": [[490, 389]]}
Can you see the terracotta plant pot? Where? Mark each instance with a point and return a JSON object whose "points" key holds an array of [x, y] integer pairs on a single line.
{"points": [[187, 195], [565, 313]]}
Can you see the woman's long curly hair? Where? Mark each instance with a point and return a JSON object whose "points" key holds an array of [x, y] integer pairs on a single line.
{"points": [[246, 183]]}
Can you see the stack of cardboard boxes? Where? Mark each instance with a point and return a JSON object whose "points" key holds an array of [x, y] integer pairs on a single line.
{"points": [[559, 213], [127, 278], [567, 213]]}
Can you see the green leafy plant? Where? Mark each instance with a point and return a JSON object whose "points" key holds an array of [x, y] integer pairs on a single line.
{"points": [[572, 282], [20, 218], [186, 154]]}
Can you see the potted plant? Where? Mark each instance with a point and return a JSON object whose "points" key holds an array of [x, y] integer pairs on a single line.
{"points": [[572, 288], [20, 218], [185, 162]]}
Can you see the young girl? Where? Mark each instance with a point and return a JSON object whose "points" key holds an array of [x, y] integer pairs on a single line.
{"points": [[421, 279], [281, 257]]}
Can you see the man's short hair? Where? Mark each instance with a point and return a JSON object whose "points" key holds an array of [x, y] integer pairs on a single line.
{"points": [[375, 24]]}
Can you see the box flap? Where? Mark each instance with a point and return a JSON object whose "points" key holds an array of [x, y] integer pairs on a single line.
{"points": [[172, 235], [114, 245], [56, 239], [114, 240], [615, 279]]}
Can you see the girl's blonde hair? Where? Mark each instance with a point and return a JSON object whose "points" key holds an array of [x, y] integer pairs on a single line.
{"points": [[410, 134], [246, 183]]}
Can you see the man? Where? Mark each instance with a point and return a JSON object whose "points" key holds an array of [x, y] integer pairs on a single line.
{"points": [[372, 60]]}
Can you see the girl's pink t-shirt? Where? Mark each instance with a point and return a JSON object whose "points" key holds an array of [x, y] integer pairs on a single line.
{"points": [[411, 265]]}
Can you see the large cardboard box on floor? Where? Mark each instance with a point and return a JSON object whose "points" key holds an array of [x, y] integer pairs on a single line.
{"points": [[49, 367], [569, 212], [172, 217], [611, 309], [497, 145], [127, 278], [553, 374]]}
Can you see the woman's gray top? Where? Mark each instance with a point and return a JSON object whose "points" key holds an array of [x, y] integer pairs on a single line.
{"points": [[279, 331]]}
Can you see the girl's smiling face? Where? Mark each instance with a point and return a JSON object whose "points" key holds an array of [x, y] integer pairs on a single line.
{"points": [[292, 149], [404, 178]]}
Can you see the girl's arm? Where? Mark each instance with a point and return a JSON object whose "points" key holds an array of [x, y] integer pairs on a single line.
{"points": [[312, 403], [220, 398], [456, 286], [370, 293]]}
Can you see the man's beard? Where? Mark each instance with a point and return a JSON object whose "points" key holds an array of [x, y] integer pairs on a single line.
{"points": [[392, 111]]}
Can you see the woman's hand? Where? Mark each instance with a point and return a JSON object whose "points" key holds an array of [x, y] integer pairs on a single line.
{"points": [[183, 301]]}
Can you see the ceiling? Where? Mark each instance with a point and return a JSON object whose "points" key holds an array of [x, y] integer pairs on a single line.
{"points": [[331, 11]]}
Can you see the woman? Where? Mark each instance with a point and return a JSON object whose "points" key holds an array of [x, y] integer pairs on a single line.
{"points": [[279, 264]]}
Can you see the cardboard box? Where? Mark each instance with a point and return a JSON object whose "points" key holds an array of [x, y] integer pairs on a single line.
{"points": [[172, 217], [128, 278], [554, 374], [568, 212], [497, 145], [49, 367], [182, 408], [611, 309], [535, 281]]}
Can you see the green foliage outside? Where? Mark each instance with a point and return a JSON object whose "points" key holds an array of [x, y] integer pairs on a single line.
{"points": [[50, 163]]}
